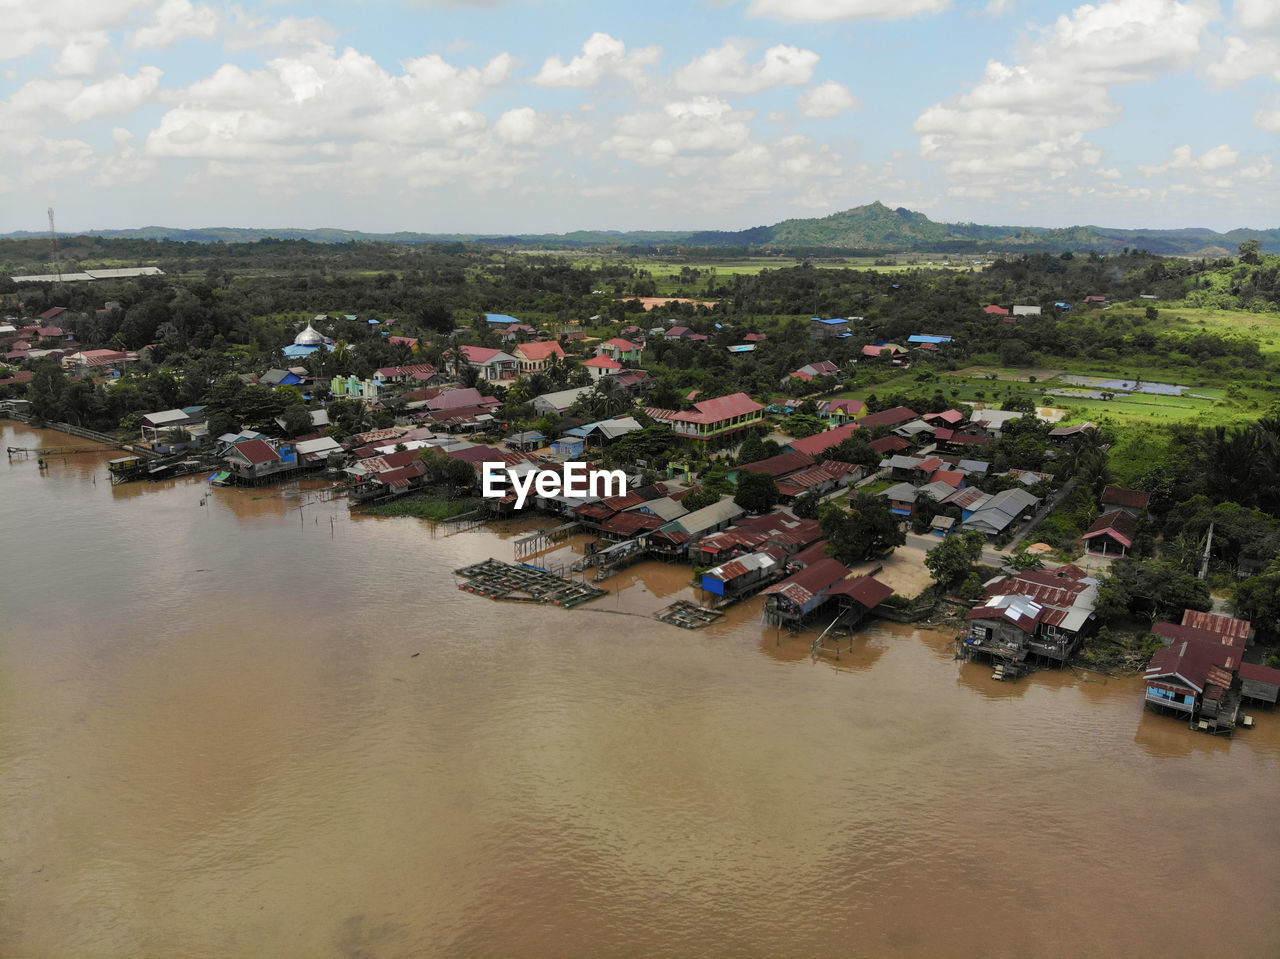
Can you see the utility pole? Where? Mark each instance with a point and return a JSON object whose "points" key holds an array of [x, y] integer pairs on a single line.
{"points": [[57, 262], [1208, 544]]}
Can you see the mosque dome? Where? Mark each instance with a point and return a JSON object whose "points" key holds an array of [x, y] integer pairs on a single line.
{"points": [[308, 337]]}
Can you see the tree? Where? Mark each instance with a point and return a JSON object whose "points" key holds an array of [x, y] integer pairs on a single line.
{"points": [[757, 492], [952, 560], [1249, 252], [807, 505], [297, 420], [866, 530]]}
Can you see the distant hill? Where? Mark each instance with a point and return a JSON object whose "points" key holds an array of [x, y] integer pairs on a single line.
{"points": [[871, 228]]}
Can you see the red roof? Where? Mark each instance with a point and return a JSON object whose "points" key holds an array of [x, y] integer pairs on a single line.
{"points": [[539, 351], [479, 354], [952, 478], [848, 407], [1173, 631], [947, 416], [889, 444], [867, 591], [779, 465], [1117, 524], [1217, 623], [811, 581], [256, 451], [1196, 662], [819, 443], [53, 312], [631, 523], [995, 310], [618, 343], [721, 408], [755, 337], [603, 363], [894, 417], [1259, 673], [1134, 499]]}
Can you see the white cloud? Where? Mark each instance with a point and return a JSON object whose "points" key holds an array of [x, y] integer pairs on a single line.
{"points": [[1181, 158], [175, 20], [1025, 125], [828, 99], [1257, 14], [725, 70], [1268, 118], [844, 9], [249, 31], [32, 24], [525, 126], [35, 101], [127, 165], [80, 57], [703, 125], [602, 56]]}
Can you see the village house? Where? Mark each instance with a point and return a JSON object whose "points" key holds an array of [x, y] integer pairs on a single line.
{"points": [[742, 576], [1111, 534], [842, 411], [717, 418], [602, 366], [491, 364], [820, 329], [996, 513], [819, 443], [778, 530], [534, 357], [98, 361], [805, 593], [555, 404], [418, 373], [809, 371], [256, 462], [884, 351], [620, 350], [671, 540], [1197, 680], [1033, 617], [890, 418], [1131, 502]]}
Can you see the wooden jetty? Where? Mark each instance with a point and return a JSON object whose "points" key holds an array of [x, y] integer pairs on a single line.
{"points": [[524, 584], [542, 539], [687, 615], [25, 451]]}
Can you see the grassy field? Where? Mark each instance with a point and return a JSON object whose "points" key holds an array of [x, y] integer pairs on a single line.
{"points": [[1262, 327], [424, 507]]}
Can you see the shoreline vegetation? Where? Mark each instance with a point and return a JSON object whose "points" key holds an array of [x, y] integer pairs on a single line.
{"points": [[1152, 373], [437, 507]]}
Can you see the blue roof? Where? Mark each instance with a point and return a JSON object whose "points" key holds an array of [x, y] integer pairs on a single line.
{"points": [[927, 338], [742, 348], [500, 318], [817, 319]]}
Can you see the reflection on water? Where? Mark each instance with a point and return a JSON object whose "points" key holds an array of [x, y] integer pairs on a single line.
{"points": [[240, 728]]}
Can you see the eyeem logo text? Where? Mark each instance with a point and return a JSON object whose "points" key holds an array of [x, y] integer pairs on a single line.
{"points": [[577, 481]]}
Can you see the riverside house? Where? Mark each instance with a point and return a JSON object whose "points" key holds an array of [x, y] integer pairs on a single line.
{"points": [[1035, 617]]}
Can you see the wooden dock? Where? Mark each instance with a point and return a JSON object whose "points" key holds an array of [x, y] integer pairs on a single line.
{"points": [[495, 579], [687, 615]]}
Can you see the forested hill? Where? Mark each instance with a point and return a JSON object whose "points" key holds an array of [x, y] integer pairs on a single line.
{"points": [[874, 228]]}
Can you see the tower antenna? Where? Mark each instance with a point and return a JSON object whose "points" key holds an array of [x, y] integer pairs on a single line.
{"points": [[53, 232]]}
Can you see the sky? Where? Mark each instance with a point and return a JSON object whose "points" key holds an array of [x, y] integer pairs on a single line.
{"points": [[545, 116]]}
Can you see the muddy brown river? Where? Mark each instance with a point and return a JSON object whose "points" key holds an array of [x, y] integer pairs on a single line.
{"points": [[234, 727]]}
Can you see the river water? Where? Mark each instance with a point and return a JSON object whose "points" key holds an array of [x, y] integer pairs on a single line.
{"points": [[230, 727]]}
